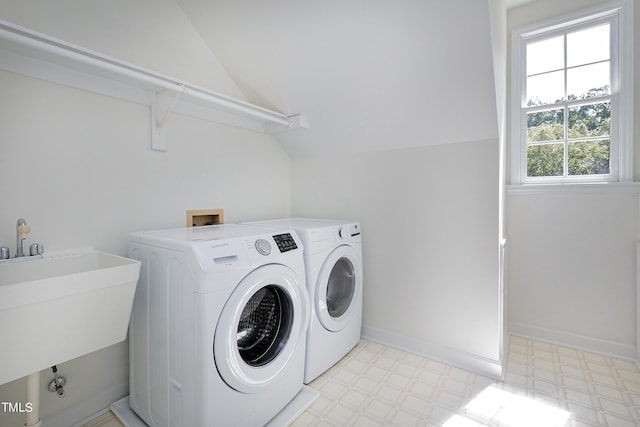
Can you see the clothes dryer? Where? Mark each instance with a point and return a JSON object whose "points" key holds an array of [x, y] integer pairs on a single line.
{"points": [[218, 327], [333, 265]]}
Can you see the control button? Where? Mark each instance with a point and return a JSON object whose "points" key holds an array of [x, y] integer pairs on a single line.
{"points": [[263, 246], [343, 233]]}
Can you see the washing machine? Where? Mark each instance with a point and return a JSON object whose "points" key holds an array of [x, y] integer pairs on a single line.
{"points": [[218, 326], [333, 265]]}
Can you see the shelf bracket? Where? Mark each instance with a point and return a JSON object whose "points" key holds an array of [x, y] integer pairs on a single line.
{"points": [[296, 121], [158, 129]]}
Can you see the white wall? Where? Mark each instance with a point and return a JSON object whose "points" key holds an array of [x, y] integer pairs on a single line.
{"points": [[572, 267], [79, 168], [430, 243], [368, 75], [572, 253]]}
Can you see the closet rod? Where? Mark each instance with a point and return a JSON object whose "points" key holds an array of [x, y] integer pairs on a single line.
{"points": [[60, 50]]}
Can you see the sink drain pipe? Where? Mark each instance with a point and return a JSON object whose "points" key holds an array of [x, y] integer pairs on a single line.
{"points": [[33, 397]]}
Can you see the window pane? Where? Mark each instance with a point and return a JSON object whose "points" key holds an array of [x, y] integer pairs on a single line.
{"points": [[589, 157], [545, 55], [545, 88], [545, 126], [587, 46], [545, 160], [590, 120], [588, 81]]}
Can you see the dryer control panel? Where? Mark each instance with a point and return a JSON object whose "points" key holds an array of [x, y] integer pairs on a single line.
{"points": [[348, 231]]}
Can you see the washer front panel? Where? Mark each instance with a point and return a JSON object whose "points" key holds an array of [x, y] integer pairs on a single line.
{"points": [[339, 288], [260, 327]]}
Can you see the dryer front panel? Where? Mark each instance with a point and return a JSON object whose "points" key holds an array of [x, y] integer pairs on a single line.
{"points": [[339, 288], [260, 327]]}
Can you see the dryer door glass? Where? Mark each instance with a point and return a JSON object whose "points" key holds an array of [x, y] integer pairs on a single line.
{"points": [[338, 290], [341, 287], [264, 326]]}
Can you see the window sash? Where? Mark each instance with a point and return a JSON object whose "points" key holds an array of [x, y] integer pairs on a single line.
{"points": [[621, 142], [566, 141]]}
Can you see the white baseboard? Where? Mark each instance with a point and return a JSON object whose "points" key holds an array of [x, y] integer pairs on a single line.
{"points": [[582, 342], [461, 359]]}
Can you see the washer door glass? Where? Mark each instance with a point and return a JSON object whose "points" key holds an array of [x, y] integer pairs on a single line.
{"points": [[260, 328], [264, 326], [338, 288]]}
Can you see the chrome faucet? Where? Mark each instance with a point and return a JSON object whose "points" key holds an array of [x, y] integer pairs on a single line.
{"points": [[36, 250], [22, 229]]}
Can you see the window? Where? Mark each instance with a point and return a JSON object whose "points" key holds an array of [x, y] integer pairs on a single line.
{"points": [[572, 99]]}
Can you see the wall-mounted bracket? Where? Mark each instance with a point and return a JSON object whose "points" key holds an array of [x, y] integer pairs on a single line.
{"points": [[158, 134], [296, 121], [160, 116]]}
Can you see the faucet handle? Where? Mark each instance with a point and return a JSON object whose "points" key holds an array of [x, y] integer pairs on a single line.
{"points": [[36, 249]]}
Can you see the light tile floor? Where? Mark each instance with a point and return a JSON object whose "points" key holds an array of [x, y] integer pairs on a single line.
{"points": [[105, 420], [546, 385]]}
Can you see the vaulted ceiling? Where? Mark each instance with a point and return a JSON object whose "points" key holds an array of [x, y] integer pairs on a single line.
{"points": [[367, 75]]}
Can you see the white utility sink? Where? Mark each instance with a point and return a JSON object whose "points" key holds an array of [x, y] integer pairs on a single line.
{"points": [[62, 306]]}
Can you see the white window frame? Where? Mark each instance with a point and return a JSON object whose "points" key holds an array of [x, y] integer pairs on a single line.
{"points": [[620, 15]]}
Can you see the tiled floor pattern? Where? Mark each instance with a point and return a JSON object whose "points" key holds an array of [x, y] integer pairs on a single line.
{"points": [[105, 420], [546, 385]]}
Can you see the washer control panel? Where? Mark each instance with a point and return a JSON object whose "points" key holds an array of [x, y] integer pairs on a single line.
{"points": [[285, 242], [255, 248]]}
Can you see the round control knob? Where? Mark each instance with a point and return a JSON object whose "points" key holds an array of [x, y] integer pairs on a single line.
{"points": [[343, 233], [263, 246]]}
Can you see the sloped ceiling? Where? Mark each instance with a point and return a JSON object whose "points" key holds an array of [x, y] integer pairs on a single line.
{"points": [[368, 75]]}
